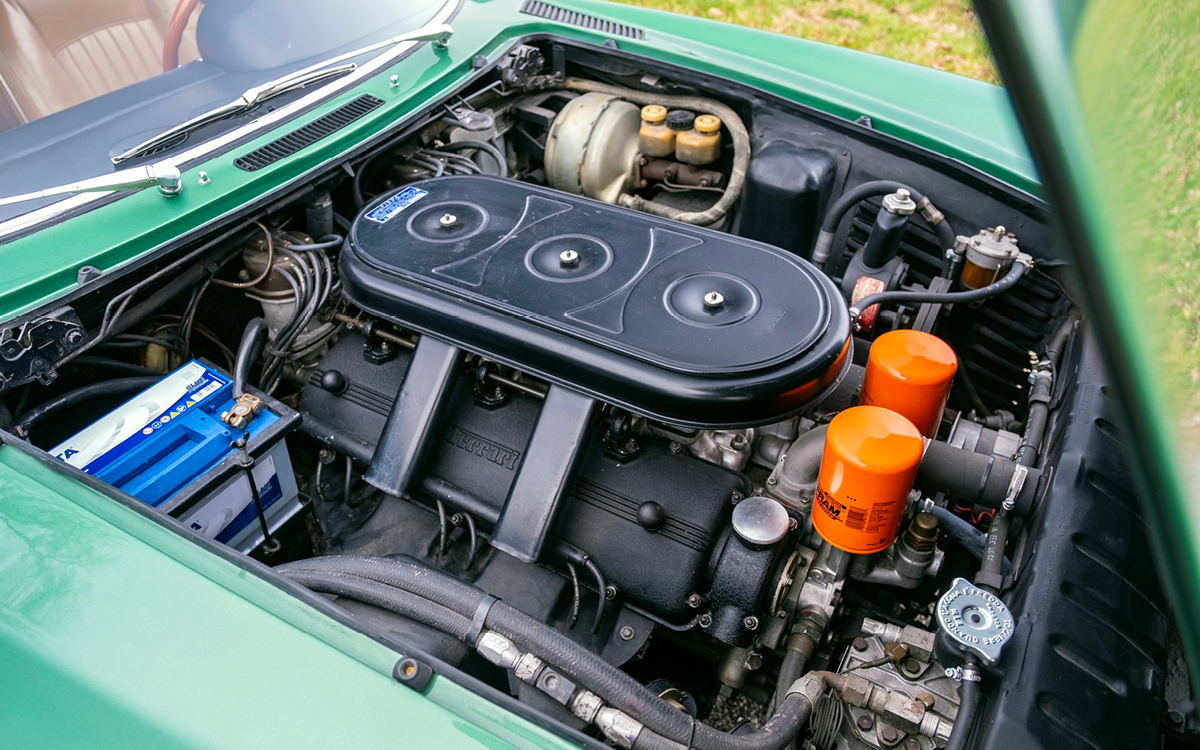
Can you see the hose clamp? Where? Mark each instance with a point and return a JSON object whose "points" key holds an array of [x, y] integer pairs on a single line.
{"points": [[1015, 485], [929, 212], [965, 673]]}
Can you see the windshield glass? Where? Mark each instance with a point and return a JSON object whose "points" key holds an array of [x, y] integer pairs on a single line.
{"points": [[82, 81]]}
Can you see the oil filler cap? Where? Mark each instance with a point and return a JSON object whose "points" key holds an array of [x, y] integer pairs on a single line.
{"points": [[760, 521], [974, 621]]}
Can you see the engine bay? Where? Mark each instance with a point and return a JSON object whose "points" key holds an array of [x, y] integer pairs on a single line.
{"points": [[684, 415]]}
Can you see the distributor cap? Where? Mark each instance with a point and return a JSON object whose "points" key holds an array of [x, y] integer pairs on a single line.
{"points": [[974, 621]]}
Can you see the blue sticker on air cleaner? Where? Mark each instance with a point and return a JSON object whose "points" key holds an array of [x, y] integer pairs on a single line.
{"points": [[396, 204]]}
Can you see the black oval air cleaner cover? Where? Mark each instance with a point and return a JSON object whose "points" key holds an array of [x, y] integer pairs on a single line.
{"points": [[680, 323]]}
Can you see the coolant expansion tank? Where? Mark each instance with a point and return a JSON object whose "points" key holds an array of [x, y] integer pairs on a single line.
{"points": [[867, 470]]}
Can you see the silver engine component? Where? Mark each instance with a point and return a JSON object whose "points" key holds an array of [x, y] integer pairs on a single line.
{"points": [[911, 704], [794, 479], [729, 448], [911, 557]]}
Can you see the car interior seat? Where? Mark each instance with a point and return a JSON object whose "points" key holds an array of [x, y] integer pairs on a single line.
{"points": [[55, 54]]}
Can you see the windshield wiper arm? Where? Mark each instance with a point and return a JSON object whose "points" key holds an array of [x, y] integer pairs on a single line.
{"points": [[249, 99], [438, 34], [164, 174]]}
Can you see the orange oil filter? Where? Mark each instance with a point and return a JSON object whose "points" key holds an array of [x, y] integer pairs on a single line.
{"points": [[910, 372], [867, 470]]}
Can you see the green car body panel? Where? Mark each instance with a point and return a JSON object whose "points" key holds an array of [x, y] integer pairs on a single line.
{"points": [[117, 631], [120, 629]]}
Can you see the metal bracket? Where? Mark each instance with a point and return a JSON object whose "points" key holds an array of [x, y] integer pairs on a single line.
{"points": [[31, 350], [928, 312], [463, 115]]}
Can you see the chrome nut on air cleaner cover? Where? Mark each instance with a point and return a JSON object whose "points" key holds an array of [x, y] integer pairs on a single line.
{"points": [[974, 620]]}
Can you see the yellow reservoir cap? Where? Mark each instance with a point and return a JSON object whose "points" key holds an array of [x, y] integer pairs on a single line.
{"points": [[654, 113], [707, 124], [868, 465], [910, 372]]}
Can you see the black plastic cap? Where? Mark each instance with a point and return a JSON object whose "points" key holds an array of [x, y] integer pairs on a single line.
{"points": [[651, 516], [413, 672], [680, 119], [334, 382]]}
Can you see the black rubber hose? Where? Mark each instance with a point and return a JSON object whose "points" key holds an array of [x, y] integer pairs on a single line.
{"points": [[859, 193], [974, 477], [601, 591], [487, 148], [79, 395], [340, 441], [945, 298], [356, 193], [806, 635], [964, 720], [249, 350], [1058, 342], [575, 661], [779, 731], [386, 597], [991, 567], [1039, 414], [790, 670], [400, 572], [990, 576], [972, 539]]}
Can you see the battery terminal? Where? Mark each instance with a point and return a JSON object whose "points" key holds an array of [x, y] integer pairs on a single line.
{"points": [[243, 412]]}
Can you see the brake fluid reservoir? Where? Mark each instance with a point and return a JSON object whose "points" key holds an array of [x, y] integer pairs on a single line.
{"points": [[910, 372], [867, 470], [655, 138], [701, 144]]}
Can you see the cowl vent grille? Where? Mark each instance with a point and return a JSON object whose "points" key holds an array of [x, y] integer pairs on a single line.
{"points": [[309, 134], [561, 15]]}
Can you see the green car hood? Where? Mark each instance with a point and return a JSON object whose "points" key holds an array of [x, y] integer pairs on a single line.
{"points": [[1109, 96]]}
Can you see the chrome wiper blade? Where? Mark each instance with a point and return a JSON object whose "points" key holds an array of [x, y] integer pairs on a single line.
{"points": [[251, 98], [439, 34], [164, 174]]}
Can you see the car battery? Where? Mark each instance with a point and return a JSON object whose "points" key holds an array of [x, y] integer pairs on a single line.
{"points": [[169, 447]]}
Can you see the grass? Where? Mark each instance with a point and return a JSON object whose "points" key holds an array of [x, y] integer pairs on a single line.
{"points": [[1140, 67], [942, 34]]}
